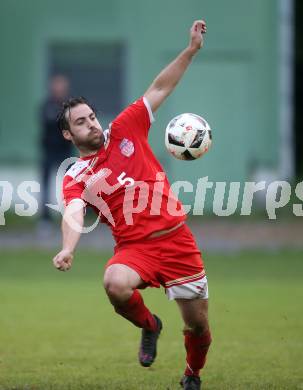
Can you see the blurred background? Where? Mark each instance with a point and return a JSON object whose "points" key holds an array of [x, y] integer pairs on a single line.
{"points": [[246, 82], [58, 330]]}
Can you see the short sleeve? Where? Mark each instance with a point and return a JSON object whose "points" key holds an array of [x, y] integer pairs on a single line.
{"points": [[73, 191], [135, 119]]}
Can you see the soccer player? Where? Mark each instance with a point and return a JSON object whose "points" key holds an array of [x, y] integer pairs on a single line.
{"points": [[118, 175]]}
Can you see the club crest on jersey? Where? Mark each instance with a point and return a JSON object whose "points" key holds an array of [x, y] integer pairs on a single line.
{"points": [[127, 147]]}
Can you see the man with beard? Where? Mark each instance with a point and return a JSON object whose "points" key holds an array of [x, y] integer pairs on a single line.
{"points": [[116, 171]]}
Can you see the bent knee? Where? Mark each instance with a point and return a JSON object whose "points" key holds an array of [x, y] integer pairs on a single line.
{"points": [[116, 287]]}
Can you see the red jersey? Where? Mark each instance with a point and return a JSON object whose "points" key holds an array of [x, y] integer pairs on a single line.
{"points": [[124, 182]]}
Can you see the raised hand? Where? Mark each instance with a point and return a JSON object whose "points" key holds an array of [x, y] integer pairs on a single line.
{"points": [[196, 34]]}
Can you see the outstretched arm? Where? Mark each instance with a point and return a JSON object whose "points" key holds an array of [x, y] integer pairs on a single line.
{"points": [[167, 80], [72, 224]]}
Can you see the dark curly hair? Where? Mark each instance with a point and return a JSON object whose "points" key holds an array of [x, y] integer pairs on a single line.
{"points": [[62, 120]]}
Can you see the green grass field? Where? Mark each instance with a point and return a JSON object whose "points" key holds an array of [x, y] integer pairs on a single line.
{"points": [[58, 331]]}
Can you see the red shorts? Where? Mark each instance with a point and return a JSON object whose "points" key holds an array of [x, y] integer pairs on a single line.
{"points": [[172, 259]]}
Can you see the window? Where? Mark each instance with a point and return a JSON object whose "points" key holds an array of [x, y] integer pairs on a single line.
{"points": [[95, 71]]}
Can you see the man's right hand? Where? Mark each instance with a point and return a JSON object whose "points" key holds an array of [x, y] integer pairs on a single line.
{"points": [[63, 260]]}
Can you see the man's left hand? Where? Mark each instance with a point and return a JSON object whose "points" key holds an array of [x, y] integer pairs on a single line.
{"points": [[196, 34]]}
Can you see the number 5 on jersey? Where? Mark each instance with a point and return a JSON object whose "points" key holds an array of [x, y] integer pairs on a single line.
{"points": [[126, 181]]}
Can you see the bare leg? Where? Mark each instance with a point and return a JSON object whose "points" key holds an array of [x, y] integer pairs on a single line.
{"points": [[195, 314], [196, 333], [121, 283]]}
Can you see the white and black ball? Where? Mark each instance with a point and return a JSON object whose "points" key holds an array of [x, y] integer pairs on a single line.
{"points": [[188, 136]]}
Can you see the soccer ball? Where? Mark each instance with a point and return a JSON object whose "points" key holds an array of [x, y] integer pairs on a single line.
{"points": [[188, 136]]}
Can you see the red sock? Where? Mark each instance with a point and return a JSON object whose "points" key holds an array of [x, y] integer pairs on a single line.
{"points": [[136, 312], [196, 348]]}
